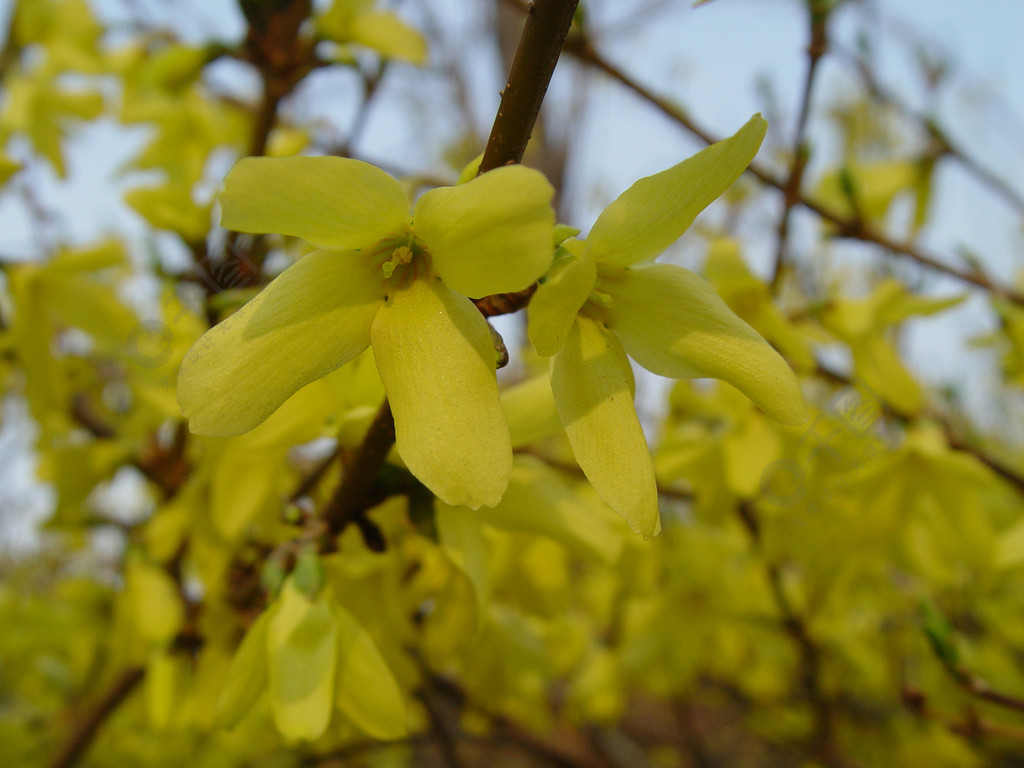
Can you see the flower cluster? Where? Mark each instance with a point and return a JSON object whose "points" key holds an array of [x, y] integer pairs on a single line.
{"points": [[602, 301], [402, 284], [385, 278]]}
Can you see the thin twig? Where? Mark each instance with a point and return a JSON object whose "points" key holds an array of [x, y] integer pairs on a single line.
{"points": [[946, 145], [89, 725], [980, 689], [309, 483], [818, 13], [848, 228], [547, 24], [354, 493], [953, 438], [971, 727], [565, 751], [810, 656], [371, 83]]}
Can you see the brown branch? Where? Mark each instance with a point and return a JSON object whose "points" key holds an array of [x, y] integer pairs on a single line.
{"points": [[280, 54], [266, 117], [83, 733], [953, 438], [355, 493], [283, 58], [945, 145], [971, 727], [547, 24], [849, 228], [979, 688], [444, 726], [810, 656], [544, 35]]}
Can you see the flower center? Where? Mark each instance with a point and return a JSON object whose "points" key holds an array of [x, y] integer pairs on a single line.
{"points": [[401, 255], [601, 301], [401, 258]]}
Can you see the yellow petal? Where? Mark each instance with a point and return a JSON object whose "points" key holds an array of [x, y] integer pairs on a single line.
{"points": [[332, 202], [651, 215], [436, 359], [490, 235], [539, 500], [593, 387], [558, 299], [162, 684], [313, 318], [530, 410], [674, 324], [170, 206], [461, 535]]}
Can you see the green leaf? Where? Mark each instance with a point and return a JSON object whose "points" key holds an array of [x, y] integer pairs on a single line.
{"points": [[366, 690], [308, 574], [302, 654], [940, 634], [246, 677]]}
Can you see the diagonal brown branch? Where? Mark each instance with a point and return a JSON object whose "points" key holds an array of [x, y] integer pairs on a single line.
{"points": [[85, 730], [953, 437], [945, 145], [849, 228]]}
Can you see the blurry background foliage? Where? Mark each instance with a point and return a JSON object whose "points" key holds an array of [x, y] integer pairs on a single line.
{"points": [[846, 593]]}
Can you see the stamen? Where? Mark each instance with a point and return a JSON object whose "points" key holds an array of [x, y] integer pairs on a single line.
{"points": [[601, 299], [401, 255]]}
